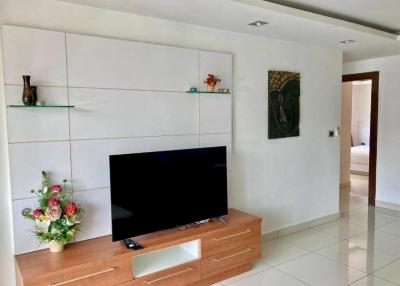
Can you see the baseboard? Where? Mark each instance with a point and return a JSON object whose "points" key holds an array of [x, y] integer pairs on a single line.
{"points": [[300, 226], [345, 184], [386, 205]]}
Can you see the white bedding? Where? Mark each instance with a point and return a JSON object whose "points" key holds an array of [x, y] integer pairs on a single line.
{"points": [[360, 159]]}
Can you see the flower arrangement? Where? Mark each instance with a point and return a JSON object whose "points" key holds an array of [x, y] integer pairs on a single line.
{"points": [[57, 218], [212, 80]]}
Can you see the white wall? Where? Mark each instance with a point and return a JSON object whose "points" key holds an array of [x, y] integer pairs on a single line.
{"points": [[6, 237], [7, 268], [361, 112], [388, 154], [138, 103], [286, 181]]}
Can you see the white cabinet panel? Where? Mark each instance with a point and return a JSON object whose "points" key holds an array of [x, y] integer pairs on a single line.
{"points": [[219, 64], [38, 53], [211, 140], [103, 113], [28, 160], [90, 158], [24, 240], [37, 124], [96, 220], [215, 113], [108, 63]]}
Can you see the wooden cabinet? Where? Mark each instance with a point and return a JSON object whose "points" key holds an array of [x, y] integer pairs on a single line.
{"points": [[223, 250], [181, 275]]}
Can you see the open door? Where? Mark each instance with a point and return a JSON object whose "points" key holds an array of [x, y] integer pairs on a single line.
{"points": [[374, 77]]}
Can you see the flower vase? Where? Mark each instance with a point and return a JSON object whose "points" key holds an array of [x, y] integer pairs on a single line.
{"points": [[56, 246], [210, 88], [27, 94], [34, 94]]}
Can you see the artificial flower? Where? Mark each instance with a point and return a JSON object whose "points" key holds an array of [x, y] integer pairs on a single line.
{"points": [[53, 202], [55, 188], [37, 213], [53, 212], [71, 208]]}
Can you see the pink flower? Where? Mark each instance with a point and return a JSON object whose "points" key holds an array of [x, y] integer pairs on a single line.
{"points": [[53, 212], [55, 188], [37, 213], [71, 208], [53, 202]]}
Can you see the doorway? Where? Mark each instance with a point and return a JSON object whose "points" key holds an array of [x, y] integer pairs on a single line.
{"points": [[360, 93]]}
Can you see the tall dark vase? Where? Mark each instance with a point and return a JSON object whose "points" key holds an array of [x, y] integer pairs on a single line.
{"points": [[34, 94], [27, 94]]}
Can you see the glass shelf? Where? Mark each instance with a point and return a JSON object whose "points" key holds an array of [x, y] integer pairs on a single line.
{"points": [[40, 106], [214, 92]]}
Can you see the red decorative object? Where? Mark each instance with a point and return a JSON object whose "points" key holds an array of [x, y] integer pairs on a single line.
{"points": [[212, 80]]}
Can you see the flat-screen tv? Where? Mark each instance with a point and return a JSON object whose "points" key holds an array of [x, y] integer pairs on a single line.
{"points": [[159, 190]]}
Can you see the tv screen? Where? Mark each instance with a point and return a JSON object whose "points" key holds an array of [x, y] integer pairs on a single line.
{"points": [[160, 190]]}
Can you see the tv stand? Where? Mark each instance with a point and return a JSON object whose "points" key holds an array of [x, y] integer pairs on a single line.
{"points": [[222, 220], [199, 256]]}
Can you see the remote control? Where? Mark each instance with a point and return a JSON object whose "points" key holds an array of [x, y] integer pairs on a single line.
{"points": [[131, 244]]}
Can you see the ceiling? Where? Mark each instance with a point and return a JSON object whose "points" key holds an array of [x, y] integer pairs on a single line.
{"points": [[378, 14], [285, 23]]}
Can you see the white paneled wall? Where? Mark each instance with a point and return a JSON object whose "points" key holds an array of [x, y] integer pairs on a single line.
{"points": [[216, 63], [128, 96], [93, 171], [109, 113], [105, 63], [29, 125], [27, 160], [35, 52], [215, 114]]}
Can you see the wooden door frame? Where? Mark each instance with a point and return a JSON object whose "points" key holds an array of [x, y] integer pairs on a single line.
{"points": [[373, 139]]}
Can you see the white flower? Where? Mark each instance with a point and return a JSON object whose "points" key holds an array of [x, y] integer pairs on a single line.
{"points": [[72, 220], [42, 226]]}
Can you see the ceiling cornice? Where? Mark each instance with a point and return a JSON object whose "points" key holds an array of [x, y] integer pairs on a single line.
{"points": [[318, 17]]}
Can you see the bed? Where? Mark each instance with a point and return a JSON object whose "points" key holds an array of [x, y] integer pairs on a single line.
{"points": [[359, 160]]}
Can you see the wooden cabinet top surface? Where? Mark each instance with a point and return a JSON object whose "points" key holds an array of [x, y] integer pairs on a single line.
{"points": [[41, 262]]}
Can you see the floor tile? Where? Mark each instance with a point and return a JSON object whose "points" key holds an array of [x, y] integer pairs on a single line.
{"points": [[277, 252], [317, 270], [356, 256], [348, 201], [391, 228], [368, 218], [372, 281], [378, 240], [341, 228], [258, 267], [359, 185], [310, 240], [269, 277], [390, 272]]}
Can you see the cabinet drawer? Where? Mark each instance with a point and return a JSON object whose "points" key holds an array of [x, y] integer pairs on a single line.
{"points": [[100, 273], [230, 259], [230, 238], [177, 276]]}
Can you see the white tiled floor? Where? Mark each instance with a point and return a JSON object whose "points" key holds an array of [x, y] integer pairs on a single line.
{"points": [[360, 249]]}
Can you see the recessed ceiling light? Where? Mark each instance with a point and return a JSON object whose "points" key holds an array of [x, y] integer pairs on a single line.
{"points": [[258, 23], [347, 42]]}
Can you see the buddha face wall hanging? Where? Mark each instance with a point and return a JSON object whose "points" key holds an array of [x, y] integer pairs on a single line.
{"points": [[283, 104]]}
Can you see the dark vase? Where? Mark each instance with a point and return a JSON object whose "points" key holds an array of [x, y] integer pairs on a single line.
{"points": [[27, 94], [34, 94]]}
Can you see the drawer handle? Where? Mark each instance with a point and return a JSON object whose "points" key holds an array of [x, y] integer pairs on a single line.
{"points": [[234, 255], [233, 235], [83, 277], [169, 276]]}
